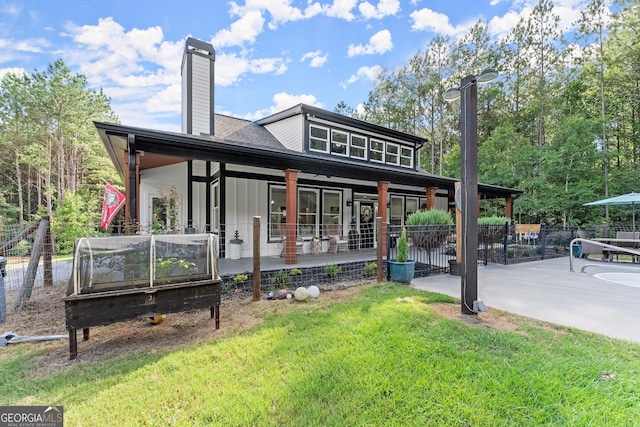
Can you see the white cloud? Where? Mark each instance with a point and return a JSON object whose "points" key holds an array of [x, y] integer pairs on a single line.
{"points": [[317, 59], [341, 9], [280, 11], [500, 26], [370, 73], [428, 20], [10, 9], [5, 71], [245, 29], [166, 101], [231, 67], [379, 43], [282, 101], [32, 45], [384, 8]]}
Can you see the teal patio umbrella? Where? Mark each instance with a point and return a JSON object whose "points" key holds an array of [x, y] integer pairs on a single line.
{"points": [[625, 199]]}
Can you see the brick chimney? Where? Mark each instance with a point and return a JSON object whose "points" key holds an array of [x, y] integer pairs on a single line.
{"points": [[197, 87]]}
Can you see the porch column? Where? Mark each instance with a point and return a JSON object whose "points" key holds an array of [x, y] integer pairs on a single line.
{"points": [[383, 186], [508, 207], [132, 184], [291, 197], [431, 197]]}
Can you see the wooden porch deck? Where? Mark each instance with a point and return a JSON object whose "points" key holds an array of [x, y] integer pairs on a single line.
{"points": [[274, 263]]}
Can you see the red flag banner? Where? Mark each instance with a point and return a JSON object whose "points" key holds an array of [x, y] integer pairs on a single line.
{"points": [[112, 202]]}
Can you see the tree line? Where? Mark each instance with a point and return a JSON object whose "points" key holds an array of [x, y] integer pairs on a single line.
{"points": [[52, 157], [562, 122]]}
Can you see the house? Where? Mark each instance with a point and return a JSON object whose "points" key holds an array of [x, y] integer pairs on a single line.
{"points": [[306, 172]]}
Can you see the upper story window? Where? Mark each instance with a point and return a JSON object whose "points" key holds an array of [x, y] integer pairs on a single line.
{"points": [[406, 157], [318, 139], [358, 147], [377, 151], [339, 143], [392, 153]]}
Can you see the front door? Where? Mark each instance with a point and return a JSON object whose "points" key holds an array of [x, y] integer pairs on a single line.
{"points": [[366, 224]]}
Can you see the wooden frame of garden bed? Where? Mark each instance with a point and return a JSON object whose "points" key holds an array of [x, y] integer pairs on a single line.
{"points": [[87, 310]]}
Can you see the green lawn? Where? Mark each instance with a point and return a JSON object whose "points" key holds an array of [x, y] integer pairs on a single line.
{"points": [[382, 357]]}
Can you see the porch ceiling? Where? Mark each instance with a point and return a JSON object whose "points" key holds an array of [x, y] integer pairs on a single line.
{"points": [[170, 147]]}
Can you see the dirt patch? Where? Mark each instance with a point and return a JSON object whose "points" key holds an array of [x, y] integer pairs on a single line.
{"points": [[43, 314], [492, 319]]}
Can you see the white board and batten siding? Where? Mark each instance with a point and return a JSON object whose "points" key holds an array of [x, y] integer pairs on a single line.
{"points": [[158, 181], [245, 199], [290, 132]]}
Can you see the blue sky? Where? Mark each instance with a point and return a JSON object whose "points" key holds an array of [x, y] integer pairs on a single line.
{"points": [[270, 54]]}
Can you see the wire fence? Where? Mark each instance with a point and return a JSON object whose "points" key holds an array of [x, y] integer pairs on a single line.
{"points": [[331, 255]]}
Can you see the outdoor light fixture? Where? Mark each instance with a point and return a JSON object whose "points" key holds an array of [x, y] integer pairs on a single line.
{"points": [[486, 76], [468, 91], [348, 202]]}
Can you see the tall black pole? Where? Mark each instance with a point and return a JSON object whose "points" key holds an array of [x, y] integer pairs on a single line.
{"points": [[469, 192]]}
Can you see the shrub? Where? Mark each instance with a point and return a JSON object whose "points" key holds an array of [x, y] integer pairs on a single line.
{"points": [[436, 228], [282, 278], [511, 253], [332, 270], [430, 217], [295, 272], [240, 279], [370, 269], [493, 220], [403, 247]]}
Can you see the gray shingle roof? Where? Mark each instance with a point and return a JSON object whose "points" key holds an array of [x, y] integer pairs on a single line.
{"points": [[244, 132]]}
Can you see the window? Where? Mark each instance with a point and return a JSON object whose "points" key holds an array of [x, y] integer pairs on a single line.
{"points": [[307, 212], [359, 147], [331, 207], [318, 139], [392, 153], [423, 203], [411, 205], [277, 212], [377, 151], [406, 157], [396, 214], [339, 143], [215, 211]]}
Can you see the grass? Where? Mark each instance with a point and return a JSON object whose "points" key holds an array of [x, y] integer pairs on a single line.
{"points": [[382, 357]]}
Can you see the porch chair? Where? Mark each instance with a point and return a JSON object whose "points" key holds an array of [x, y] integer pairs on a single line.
{"points": [[587, 248], [299, 246], [337, 242]]}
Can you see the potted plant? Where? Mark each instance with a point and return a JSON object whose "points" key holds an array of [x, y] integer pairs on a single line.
{"points": [[401, 268], [436, 228], [491, 229], [430, 229]]}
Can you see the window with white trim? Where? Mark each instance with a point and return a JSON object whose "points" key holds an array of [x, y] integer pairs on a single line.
{"points": [[396, 211], [358, 147], [277, 212], [339, 143], [331, 207], [215, 210], [377, 151], [392, 153], [318, 139], [406, 157], [307, 212], [411, 206]]}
